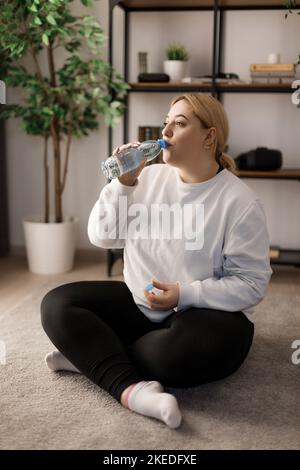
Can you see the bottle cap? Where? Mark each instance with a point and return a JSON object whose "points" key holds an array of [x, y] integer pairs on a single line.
{"points": [[163, 143], [149, 287]]}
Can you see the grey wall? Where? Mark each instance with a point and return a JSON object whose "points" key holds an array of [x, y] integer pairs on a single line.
{"points": [[4, 230], [255, 119]]}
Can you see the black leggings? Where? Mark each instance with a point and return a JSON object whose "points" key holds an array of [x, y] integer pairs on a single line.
{"points": [[97, 326]]}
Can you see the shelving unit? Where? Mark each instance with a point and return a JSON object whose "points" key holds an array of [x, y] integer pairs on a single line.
{"points": [[219, 88], [218, 7]]}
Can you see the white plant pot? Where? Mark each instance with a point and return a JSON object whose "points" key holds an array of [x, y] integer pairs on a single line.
{"points": [[176, 69], [50, 248]]}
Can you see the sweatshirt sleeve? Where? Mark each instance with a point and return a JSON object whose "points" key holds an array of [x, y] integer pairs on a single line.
{"points": [[107, 222], [246, 268]]}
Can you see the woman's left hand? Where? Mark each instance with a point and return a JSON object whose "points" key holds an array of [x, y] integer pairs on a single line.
{"points": [[165, 301]]}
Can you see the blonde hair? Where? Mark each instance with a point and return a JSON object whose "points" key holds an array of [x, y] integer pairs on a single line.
{"points": [[211, 113]]}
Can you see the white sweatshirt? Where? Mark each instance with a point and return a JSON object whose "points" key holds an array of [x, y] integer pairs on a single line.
{"points": [[226, 268]]}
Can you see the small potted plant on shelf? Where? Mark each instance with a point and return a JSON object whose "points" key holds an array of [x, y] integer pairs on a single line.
{"points": [[62, 98], [176, 64]]}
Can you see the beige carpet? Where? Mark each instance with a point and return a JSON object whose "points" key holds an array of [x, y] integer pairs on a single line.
{"points": [[256, 408]]}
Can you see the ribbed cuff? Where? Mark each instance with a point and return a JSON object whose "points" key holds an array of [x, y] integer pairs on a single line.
{"points": [[186, 296]]}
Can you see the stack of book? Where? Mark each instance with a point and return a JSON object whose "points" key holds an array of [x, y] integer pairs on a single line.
{"points": [[272, 73], [208, 80], [151, 133]]}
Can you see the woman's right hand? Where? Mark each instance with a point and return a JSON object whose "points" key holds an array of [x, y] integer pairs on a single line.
{"points": [[129, 179]]}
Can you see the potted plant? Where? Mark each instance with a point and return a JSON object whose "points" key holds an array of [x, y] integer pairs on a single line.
{"points": [[176, 64], [59, 102]]}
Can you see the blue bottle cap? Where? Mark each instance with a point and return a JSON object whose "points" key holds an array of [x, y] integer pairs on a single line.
{"points": [[163, 143], [149, 287]]}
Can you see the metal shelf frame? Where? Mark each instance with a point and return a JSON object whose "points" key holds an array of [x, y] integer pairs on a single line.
{"points": [[287, 257]]}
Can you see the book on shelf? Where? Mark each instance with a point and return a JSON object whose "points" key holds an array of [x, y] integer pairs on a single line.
{"points": [[151, 133], [272, 80], [272, 73], [273, 68], [207, 80]]}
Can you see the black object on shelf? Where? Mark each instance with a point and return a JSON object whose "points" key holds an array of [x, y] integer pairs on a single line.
{"points": [[226, 76], [260, 159], [153, 77]]}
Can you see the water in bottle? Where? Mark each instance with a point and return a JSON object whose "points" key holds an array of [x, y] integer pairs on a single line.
{"points": [[129, 159]]}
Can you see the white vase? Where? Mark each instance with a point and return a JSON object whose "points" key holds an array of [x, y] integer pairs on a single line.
{"points": [[176, 69], [50, 248]]}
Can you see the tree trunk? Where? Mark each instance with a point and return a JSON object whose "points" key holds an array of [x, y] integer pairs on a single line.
{"points": [[55, 135], [57, 182], [46, 182]]}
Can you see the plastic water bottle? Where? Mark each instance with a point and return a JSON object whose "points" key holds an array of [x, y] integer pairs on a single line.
{"points": [[129, 159]]}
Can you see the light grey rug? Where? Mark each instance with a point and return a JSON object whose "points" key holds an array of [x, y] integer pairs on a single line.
{"points": [[258, 407]]}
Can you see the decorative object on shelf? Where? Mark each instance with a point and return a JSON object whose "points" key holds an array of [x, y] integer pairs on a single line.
{"points": [[272, 73], [176, 64], [274, 58], [143, 62], [149, 133], [153, 77], [220, 78], [260, 159], [59, 102]]}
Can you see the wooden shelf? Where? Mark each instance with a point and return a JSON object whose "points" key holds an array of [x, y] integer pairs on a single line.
{"points": [[148, 4], [288, 174], [169, 86], [207, 87]]}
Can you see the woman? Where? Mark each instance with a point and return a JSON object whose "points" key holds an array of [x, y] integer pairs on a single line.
{"points": [[196, 325]]}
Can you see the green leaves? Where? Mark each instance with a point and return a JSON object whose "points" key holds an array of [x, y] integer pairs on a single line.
{"points": [[33, 8], [51, 20], [289, 5], [87, 3], [37, 21], [177, 52], [85, 87], [45, 39]]}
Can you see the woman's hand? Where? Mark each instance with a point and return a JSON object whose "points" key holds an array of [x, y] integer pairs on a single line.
{"points": [[165, 301], [129, 179]]}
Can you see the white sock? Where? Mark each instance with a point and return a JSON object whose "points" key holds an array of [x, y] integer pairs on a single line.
{"points": [[149, 399], [55, 360]]}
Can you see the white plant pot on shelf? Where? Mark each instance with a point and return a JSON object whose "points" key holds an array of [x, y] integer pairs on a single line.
{"points": [[176, 69], [50, 248]]}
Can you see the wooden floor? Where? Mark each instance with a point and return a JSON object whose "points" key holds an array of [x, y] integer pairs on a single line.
{"points": [[17, 282]]}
